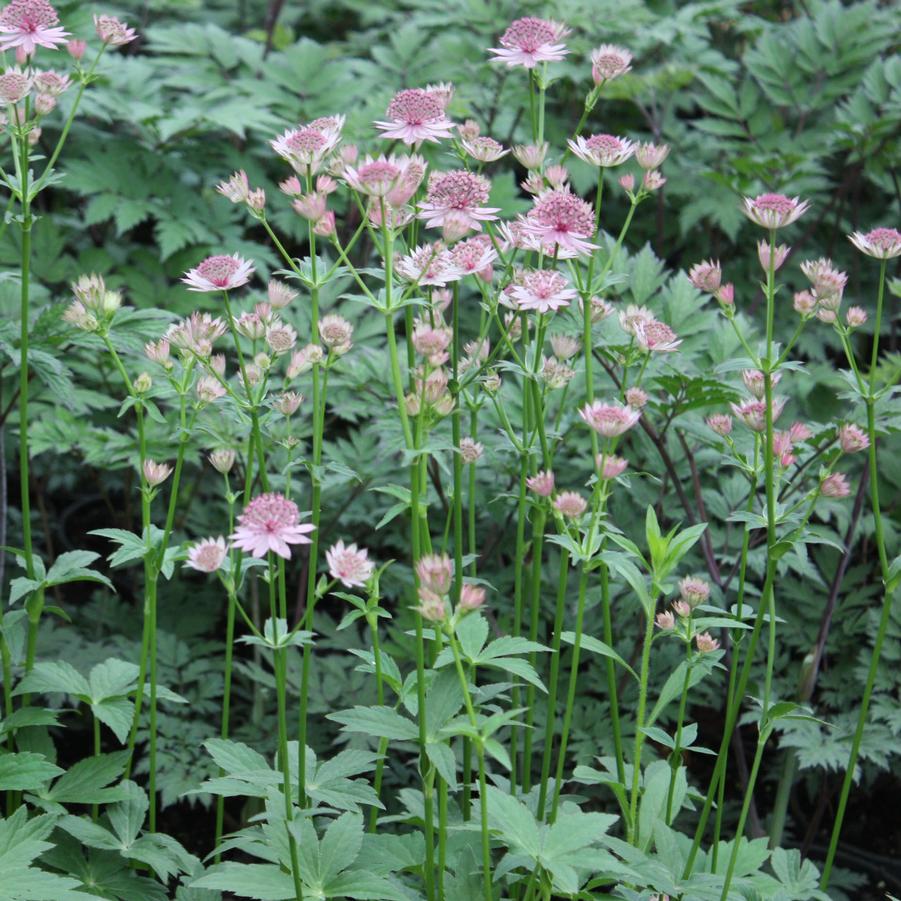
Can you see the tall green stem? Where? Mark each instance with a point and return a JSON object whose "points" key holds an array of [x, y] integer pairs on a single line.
{"points": [[632, 825]]}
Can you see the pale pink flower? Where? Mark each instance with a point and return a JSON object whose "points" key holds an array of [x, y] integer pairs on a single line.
{"points": [[209, 389], [207, 555], [471, 597], [483, 149], [80, 316], [534, 184], [656, 337], [304, 359], [312, 206], [694, 591], [755, 382], [774, 210], [461, 194], [376, 176], [651, 156], [280, 294], [851, 438], [633, 317], [336, 333], [471, 450], [158, 352], [608, 62], [627, 182], [291, 186], [855, 317], [599, 309], [636, 398], [44, 104], [555, 373], [76, 48], [475, 256], [306, 146], [610, 466], [828, 282], [565, 346], [556, 176], [53, 83], [219, 273], [706, 643], [560, 222], [113, 32], [281, 337], [349, 564], [542, 483], [288, 403], [429, 264], [544, 290], [469, 130], [435, 572], [222, 460], [726, 294], [835, 485], [236, 188], [782, 448], [416, 115], [609, 420], [682, 609], [270, 522], [881, 243], [604, 151], [763, 255], [530, 41], [665, 621], [799, 432], [15, 85], [432, 607], [571, 504], [325, 227], [197, 334], [652, 180], [720, 423], [251, 325], [156, 473], [432, 341], [29, 24], [753, 412], [531, 155], [804, 303]]}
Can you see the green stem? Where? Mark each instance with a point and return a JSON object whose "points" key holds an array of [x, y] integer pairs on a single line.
{"points": [[632, 825], [535, 620], [518, 560], [151, 591], [676, 758], [380, 700]]}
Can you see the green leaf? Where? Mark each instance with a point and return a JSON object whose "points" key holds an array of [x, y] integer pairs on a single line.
{"points": [[86, 781], [472, 633], [117, 714], [340, 845], [26, 771], [54, 676], [112, 678], [260, 881], [589, 643], [378, 721]]}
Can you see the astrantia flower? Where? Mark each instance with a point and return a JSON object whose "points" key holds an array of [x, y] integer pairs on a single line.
{"points": [[763, 255], [416, 115], [375, 177], [349, 564], [565, 346], [196, 334], [158, 351], [753, 412], [835, 485], [113, 32], [636, 398], [288, 403], [694, 591], [609, 420], [571, 504], [483, 149], [429, 264], [156, 473], [30, 24], [336, 333], [280, 337], [15, 85], [222, 460], [881, 243], [633, 317], [471, 597], [209, 389], [207, 555], [755, 382], [531, 155], [471, 450], [610, 466], [236, 188], [656, 337], [721, 423], [475, 256], [851, 438], [651, 156], [530, 41], [270, 522], [609, 62], [219, 273], [855, 317], [665, 621], [705, 642], [602, 150], [542, 483], [435, 572], [561, 223], [706, 276], [306, 146], [774, 210], [280, 294], [461, 194], [544, 290], [555, 373]]}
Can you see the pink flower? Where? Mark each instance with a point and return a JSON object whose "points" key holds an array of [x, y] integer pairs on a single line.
{"points": [[435, 572], [76, 48], [656, 337], [726, 294], [531, 155], [633, 317], [236, 188], [651, 156], [475, 256], [828, 282], [682, 609], [604, 151], [15, 85], [270, 522], [30, 24], [799, 432], [280, 337], [483, 149], [720, 423], [530, 41], [471, 597], [881, 243], [349, 564], [782, 448], [609, 420], [804, 303], [223, 459], [376, 177], [431, 606], [113, 32], [219, 273], [416, 115], [612, 466], [306, 146], [636, 398], [665, 621], [855, 317], [706, 643], [571, 504], [459, 193], [429, 264], [542, 483], [609, 62], [336, 333], [207, 555], [544, 290], [774, 210], [753, 412], [706, 276], [560, 222], [694, 591], [565, 346], [471, 450], [851, 438], [835, 485], [763, 255], [280, 294], [156, 473], [755, 382]]}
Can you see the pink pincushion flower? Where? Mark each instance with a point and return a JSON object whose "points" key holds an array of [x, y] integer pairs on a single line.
{"points": [[656, 337], [604, 151], [609, 420], [755, 381], [721, 423], [471, 450], [774, 210], [306, 146], [851, 438], [471, 597], [196, 334], [529, 41], [835, 486], [856, 317], [113, 32], [270, 522], [429, 264], [571, 504], [376, 176], [753, 412], [651, 156], [207, 555], [881, 243], [458, 193], [156, 473], [236, 188], [565, 346], [219, 273], [542, 483], [349, 564], [483, 148], [29, 24], [706, 276], [15, 85], [665, 621], [706, 643], [544, 290], [560, 222], [475, 256], [763, 255], [416, 115], [609, 62], [435, 572], [694, 591], [611, 466]]}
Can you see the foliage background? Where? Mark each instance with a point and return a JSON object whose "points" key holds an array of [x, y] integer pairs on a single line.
{"points": [[800, 97]]}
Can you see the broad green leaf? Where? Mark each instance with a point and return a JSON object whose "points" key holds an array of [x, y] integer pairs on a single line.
{"points": [[26, 771], [379, 721]]}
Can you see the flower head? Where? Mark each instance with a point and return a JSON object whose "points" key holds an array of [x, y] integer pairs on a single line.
{"points": [[207, 555], [471, 450], [542, 483], [706, 276], [609, 420], [471, 597], [306, 146], [881, 243], [665, 621], [279, 294], [855, 317], [651, 156], [531, 155], [336, 333], [219, 273], [429, 264], [416, 115], [755, 381], [475, 256], [753, 412], [694, 591], [604, 151], [435, 572], [565, 346], [560, 222], [156, 473], [636, 398], [609, 62], [656, 337], [270, 522], [483, 148], [774, 210], [544, 290], [223, 459], [705, 642], [459, 194], [835, 486], [376, 176], [571, 504], [721, 423], [778, 258], [29, 24], [349, 564], [852, 438], [113, 32], [610, 466], [529, 41], [15, 85]]}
